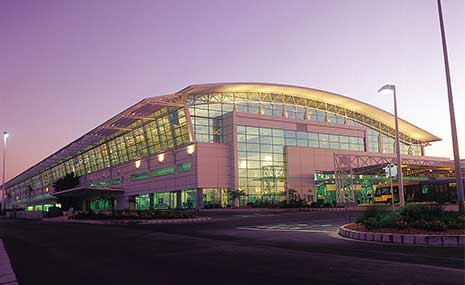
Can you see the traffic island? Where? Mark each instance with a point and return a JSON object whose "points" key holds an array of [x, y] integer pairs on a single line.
{"points": [[406, 237]]}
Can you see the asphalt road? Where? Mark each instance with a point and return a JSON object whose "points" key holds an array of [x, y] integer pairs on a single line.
{"points": [[233, 248]]}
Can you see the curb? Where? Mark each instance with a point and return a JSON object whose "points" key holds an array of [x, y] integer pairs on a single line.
{"points": [[406, 239], [7, 275], [139, 222]]}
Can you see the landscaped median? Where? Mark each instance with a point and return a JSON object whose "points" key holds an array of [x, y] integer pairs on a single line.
{"points": [[131, 217], [410, 225]]}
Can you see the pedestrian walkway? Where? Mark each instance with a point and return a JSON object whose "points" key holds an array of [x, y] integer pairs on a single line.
{"points": [[7, 276]]}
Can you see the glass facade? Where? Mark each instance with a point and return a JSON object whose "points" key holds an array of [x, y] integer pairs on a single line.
{"points": [[207, 118], [261, 151], [164, 200], [262, 161], [167, 129], [215, 198]]}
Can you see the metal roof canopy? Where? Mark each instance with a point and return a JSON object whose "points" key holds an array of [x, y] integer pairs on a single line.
{"points": [[88, 192], [120, 122], [350, 165], [309, 93], [147, 106]]}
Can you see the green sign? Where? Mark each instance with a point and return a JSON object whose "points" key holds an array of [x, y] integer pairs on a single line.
{"points": [[139, 176], [116, 181], [186, 166], [163, 171], [99, 184]]}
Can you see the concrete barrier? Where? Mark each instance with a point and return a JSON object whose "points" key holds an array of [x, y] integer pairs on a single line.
{"points": [[407, 239]]}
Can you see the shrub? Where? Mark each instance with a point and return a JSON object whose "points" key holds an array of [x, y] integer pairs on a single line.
{"points": [[435, 226], [432, 218], [370, 213], [383, 220], [421, 212]]}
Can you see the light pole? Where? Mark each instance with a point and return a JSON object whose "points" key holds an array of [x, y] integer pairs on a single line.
{"points": [[455, 143], [385, 90], [5, 138]]}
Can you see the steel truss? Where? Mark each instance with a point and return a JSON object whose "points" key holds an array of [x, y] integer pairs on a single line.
{"points": [[348, 165]]}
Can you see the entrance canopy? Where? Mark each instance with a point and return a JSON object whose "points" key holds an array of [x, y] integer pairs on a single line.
{"points": [[353, 169], [89, 192]]}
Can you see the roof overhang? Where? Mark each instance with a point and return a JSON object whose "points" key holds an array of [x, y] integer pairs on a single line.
{"points": [[319, 95], [88, 192], [143, 109]]}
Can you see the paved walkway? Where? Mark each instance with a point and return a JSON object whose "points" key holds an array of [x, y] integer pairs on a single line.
{"points": [[7, 276]]}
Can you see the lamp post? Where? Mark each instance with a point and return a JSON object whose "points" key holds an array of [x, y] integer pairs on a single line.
{"points": [[455, 144], [5, 138], [385, 90]]}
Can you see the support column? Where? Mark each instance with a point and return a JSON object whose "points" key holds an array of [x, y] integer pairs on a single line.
{"points": [[199, 198], [151, 201], [178, 200]]}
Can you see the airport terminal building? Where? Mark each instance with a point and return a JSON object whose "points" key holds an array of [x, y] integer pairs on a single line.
{"points": [[230, 144]]}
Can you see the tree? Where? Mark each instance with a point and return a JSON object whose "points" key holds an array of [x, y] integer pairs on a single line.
{"points": [[69, 181]]}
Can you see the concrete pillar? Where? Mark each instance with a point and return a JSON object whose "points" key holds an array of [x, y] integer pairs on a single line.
{"points": [[178, 200], [151, 201], [199, 198], [122, 202]]}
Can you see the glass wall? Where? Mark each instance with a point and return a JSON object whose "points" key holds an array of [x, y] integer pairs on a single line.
{"points": [[215, 198], [262, 161], [207, 111], [167, 129], [164, 200], [143, 202]]}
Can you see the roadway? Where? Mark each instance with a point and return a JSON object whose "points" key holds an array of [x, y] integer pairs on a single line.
{"points": [[235, 247]]}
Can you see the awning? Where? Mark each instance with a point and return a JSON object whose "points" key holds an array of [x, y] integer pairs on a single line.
{"points": [[89, 192]]}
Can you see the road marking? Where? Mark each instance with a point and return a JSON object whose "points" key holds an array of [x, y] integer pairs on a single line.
{"points": [[274, 229]]}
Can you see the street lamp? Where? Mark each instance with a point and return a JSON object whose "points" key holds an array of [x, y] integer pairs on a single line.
{"points": [[5, 138], [453, 126], [386, 89]]}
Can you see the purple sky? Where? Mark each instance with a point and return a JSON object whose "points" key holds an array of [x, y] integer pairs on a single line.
{"points": [[67, 66]]}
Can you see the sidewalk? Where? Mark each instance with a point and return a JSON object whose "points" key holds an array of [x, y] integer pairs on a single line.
{"points": [[7, 276]]}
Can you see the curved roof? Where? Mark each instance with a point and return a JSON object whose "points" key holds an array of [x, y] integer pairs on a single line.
{"points": [[319, 95], [121, 121]]}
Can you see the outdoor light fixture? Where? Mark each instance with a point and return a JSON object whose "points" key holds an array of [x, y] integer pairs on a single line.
{"points": [[137, 163], [191, 149], [391, 89], [387, 89], [5, 137], [46, 189], [161, 157]]}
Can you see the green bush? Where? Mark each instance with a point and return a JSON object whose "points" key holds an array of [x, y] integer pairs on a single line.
{"points": [[430, 218], [421, 212]]}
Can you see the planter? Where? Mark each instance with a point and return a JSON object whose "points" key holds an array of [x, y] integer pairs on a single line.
{"points": [[406, 239]]}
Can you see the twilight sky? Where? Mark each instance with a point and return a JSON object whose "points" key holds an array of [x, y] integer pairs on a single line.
{"points": [[67, 66]]}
